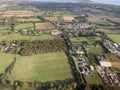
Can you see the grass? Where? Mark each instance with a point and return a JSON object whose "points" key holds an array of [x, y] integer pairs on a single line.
{"points": [[42, 68], [94, 49], [88, 39], [5, 60], [28, 20], [94, 79], [18, 36], [4, 31], [114, 37], [24, 26], [106, 31]]}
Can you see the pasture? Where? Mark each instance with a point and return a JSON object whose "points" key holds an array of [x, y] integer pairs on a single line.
{"points": [[24, 26], [42, 68], [18, 36]]}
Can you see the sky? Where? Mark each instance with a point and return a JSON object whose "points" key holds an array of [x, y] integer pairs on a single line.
{"points": [[117, 2]]}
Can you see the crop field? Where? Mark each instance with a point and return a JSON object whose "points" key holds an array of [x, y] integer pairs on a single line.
{"points": [[44, 26], [28, 20], [18, 14], [114, 37], [24, 26], [42, 68], [17, 36]]}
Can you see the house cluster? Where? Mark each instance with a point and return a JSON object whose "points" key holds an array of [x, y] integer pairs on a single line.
{"points": [[81, 61], [107, 73], [111, 46]]}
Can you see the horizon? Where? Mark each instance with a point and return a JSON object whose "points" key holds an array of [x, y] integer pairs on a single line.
{"points": [[115, 2]]}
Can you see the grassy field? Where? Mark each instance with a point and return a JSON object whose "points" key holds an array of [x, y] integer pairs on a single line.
{"points": [[4, 31], [5, 60], [17, 36], [94, 79], [28, 19], [114, 37], [88, 39], [94, 49], [106, 31], [24, 26], [42, 68]]}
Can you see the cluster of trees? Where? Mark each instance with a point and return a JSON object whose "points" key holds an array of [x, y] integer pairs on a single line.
{"points": [[27, 47]]}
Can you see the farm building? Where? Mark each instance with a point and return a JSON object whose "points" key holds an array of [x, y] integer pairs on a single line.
{"points": [[105, 63]]}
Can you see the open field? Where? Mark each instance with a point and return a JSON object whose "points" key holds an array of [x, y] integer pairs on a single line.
{"points": [[44, 26], [94, 49], [94, 79], [112, 58], [107, 31], [114, 37], [5, 61], [28, 20], [53, 19], [24, 26], [42, 68], [4, 31], [17, 36], [18, 13], [88, 39]]}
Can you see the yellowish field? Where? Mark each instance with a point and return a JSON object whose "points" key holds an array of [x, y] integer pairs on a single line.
{"points": [[68, 18], [44, 26], [18, 14]]}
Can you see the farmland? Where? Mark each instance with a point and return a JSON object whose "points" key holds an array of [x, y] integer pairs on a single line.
{"points": [[41, 68], [28, 20], [18, 14], [24, 26], [54, 19], [94, 79], [114, 37], [5, 60], [44, 26], [17, 36]]}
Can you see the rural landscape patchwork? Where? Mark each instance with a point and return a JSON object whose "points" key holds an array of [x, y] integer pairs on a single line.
{"points": [[59, 45]]}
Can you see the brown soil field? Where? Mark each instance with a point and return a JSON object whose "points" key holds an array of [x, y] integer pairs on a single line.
{"points": [[96, 18], [68, 18], [116, 64], [44, 26], [18, 14]]}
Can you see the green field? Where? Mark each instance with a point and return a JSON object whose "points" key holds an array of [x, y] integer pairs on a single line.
{"points": [[5, 60], [24, 26], [87, 39], [18, 36], [106, 31], [28, 20], [94, 49], [42, 68], [114, 37], [94, 79]]}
